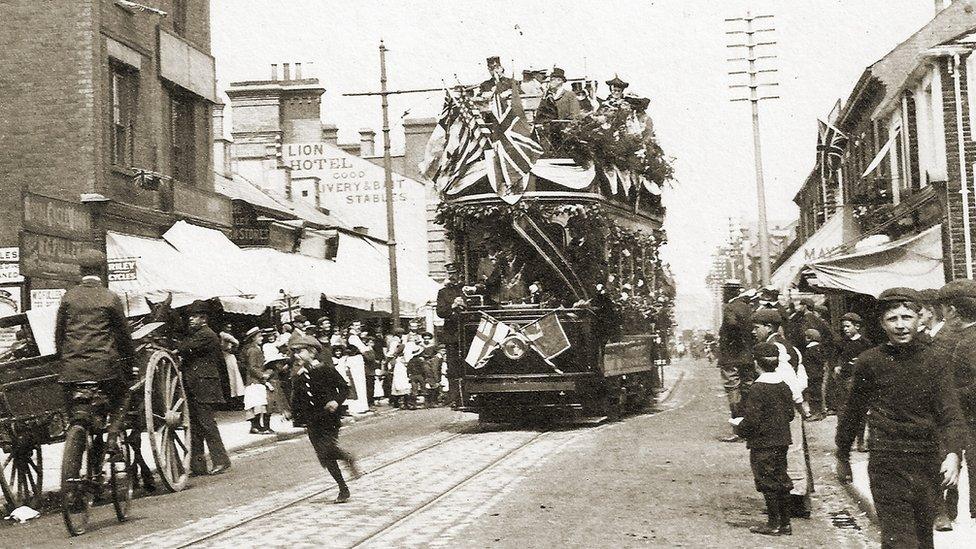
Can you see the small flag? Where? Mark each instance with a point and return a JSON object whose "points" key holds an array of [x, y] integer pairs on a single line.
{"points": [[489, 336], [547, 336], [831, 143]]}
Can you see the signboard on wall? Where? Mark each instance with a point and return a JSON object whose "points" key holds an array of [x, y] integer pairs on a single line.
{"points": [[42, 214], [248, 230], [49, 256], [121, 269], [46, 298], [10, 266]]}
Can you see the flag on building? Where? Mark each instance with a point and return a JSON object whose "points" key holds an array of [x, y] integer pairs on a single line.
{"points": [[831, 143], [547, 336], [489, 336], [513, 151]]}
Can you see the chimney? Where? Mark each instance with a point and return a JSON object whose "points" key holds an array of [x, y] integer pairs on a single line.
{"points": [[330, 134], [298, 71], [286, 71], [416, 133], [367, 142], [350, 148], [274, 72]]}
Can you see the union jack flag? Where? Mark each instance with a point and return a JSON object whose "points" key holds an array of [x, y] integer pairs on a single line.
{"points": [[513, 152], [831, 143]]}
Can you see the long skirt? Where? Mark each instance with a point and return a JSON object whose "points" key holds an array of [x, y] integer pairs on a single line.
{"points": [[234, 379], [357, 373], [401, 381]]}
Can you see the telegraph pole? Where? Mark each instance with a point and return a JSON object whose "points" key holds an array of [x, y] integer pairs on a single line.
{"points": [[752, 70], [388, 172]]}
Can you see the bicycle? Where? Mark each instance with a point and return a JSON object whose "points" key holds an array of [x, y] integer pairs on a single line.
{"points": [[95, 441]]}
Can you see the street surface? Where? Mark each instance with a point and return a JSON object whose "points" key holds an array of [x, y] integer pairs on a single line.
{"points": [[436, 478]]}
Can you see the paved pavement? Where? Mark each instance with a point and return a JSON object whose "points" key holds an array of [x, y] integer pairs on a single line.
{"points": [[438, 478]]}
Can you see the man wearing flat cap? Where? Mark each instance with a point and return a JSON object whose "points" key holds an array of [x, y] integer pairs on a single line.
{"points": [[92, 337], [767, 327], [735, 352], [854, 343], [202, 359], [318, 393], [957, 305], [914, 417]]}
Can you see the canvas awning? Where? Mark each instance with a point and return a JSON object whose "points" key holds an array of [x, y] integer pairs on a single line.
{"points": [[826, 239], [912, 262], [149, 268]]}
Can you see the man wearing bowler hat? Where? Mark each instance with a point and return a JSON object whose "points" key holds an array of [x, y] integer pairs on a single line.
{"points": [[914, 420], [450, 304], [202, 360]]}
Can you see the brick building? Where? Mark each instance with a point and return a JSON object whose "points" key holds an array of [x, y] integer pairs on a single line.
{"points": [[907, 172], [106, 110]]}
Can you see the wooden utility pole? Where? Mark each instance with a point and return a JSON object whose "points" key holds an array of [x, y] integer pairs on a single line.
{"points": [[754, 98], [388, 169]]}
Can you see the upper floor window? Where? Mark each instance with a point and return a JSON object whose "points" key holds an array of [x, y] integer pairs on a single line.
{"points": [[930, 128], [124, 85], [182, 131]]}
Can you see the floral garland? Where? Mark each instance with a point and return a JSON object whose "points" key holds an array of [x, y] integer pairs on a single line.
{"points": [[609, 137], [598, 249]]}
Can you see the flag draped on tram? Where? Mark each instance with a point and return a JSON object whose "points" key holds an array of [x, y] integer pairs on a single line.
{"points": [[513, 151], [490, 334]]}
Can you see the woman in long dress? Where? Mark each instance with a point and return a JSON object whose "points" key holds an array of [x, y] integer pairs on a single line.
{"points": [[229, 346], [355, 367]]}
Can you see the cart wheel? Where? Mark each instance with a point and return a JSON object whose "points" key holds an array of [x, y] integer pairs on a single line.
{"points": [[167, 419], [22, 478], [77, 494], [120, 478]]}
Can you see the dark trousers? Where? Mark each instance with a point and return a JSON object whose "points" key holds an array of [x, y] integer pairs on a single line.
{"points": [[325, 442], [769, 469], [203, 428], [370, 389], [388, 384], [949, 505], [904, 489], [814, 389]]}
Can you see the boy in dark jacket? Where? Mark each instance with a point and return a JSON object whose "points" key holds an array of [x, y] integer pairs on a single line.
{"points": [[765, 424], [318, 392]]}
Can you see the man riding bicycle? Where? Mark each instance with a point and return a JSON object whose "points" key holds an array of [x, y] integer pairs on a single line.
{"points": [[93, 342]]}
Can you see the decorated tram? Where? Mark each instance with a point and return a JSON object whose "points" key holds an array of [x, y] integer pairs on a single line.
{"points": [[554, 217]]}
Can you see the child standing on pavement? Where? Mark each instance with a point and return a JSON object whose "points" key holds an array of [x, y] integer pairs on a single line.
{"points": [[765, 424]]}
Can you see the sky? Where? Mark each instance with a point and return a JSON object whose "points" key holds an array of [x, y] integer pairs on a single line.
{"points": [[672, 51]]}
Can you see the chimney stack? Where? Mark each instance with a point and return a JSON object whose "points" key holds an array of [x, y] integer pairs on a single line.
{"points": [[286, 71], [367, 142], [274, 72], [298, 71]]}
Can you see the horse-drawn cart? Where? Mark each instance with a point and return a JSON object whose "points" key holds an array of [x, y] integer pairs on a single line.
{"points": [[33, 407]]}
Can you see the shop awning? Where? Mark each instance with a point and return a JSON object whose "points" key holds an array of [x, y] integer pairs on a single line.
{"points": [[826, 239], [149, 268], [214, 252], [321, 277], [913, 262]]}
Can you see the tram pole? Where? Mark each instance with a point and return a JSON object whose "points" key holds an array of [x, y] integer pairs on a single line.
{"points": [[388, 177]]}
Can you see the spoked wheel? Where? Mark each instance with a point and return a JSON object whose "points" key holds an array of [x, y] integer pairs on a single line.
{"points": [[167, 419], [22, 478], [77, 486], [121, 469]]}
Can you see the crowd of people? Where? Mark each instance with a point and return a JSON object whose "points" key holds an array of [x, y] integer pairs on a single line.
{"points": [[915, 393]]}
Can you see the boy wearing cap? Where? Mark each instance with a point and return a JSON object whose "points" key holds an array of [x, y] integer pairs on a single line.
{"points": [[767, 327], [765, 424], [318, 392], [914, 418]]}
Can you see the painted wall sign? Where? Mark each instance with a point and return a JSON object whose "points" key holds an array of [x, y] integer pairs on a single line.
{"points": [[57, 217], [49, 256]]}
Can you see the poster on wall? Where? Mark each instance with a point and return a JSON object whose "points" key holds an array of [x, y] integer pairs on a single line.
{"points": [[40, 299]]}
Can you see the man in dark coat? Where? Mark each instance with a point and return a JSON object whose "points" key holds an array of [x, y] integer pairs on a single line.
{"points": [[954, 344], [202, 361], [318, 392], [735, 351], [498, 82], [914, 416], [450, 304], [91, 334]]}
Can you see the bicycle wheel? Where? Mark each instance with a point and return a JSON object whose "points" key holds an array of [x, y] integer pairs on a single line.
{"points": [[76, 474], [120, 478]]}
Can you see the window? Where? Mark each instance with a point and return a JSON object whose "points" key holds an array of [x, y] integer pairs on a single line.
{"points": [[931, 128], [179, 17], [124, 85], [182, 132]]}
